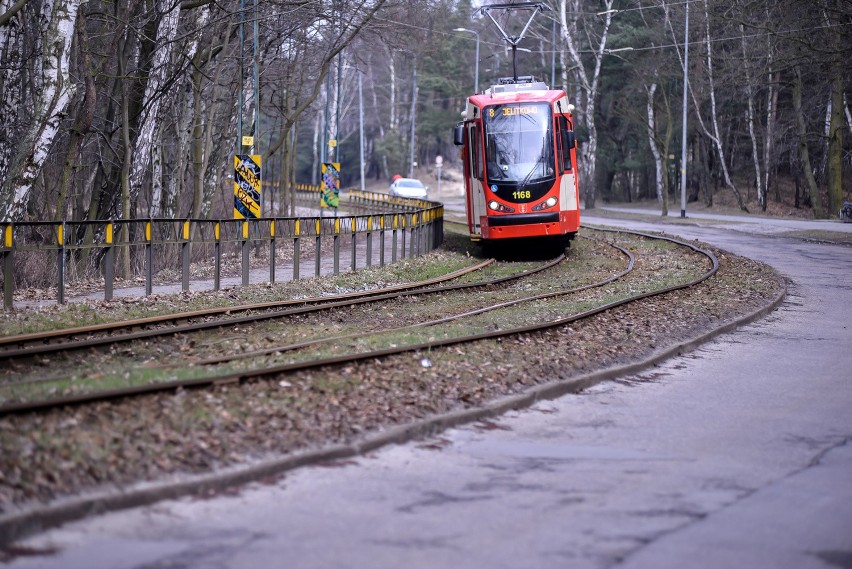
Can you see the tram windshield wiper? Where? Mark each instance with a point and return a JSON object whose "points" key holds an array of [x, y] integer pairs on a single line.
{"points": [[529, 175]]}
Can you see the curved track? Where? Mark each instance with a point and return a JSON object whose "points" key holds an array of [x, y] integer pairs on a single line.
{"points": [[60, 340], [274, 369]]}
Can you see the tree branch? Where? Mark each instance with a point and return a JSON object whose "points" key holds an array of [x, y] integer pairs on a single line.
{"points": [[190, 4], [10, 13]]}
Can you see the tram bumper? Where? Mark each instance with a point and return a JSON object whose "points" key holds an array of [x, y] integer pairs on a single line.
{"points": [[530, 225]]}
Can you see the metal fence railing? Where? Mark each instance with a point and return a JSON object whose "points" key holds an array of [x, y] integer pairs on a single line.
{"points": [[53, 254]]}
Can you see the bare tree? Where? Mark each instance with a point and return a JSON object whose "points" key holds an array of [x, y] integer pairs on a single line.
{"points": [[589, 81], [47, 100], [147, 142]]}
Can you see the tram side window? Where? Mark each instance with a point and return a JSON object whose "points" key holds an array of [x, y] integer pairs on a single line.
{"points": [[476, 152], [566, 143]]}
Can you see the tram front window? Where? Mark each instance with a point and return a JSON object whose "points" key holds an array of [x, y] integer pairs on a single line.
{"points": [[518, 143]]}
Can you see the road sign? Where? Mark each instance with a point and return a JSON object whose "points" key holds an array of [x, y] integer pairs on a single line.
{"points": [[247, 182], [329, 196]]}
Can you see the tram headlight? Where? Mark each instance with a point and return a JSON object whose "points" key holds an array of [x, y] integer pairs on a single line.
{"points": [[497, 206], [549, 202]]}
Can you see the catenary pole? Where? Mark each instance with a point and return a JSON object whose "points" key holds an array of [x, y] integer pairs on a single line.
{"points": [[683, 132], [413, 109], [361, 123]]}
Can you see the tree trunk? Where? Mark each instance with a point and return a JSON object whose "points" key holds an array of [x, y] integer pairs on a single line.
{"points": [[85, 117], [713, 114], [315, 147], [704, 171], [284, 177], [291, 180], [804, 154], [124, 252], [197, 144], [835, 144], [589, 88], [53, 90], [659, 168], [393, 120], [769, 140], [149, 136], [758, 177]]}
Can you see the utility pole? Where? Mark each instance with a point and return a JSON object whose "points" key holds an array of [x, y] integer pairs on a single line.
{"points": [[553, 54], [240, 94], [683, 132], [361, 123], [413, 109]]}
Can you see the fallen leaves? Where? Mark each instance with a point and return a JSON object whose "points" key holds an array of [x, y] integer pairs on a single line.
{"points": [[65, 451]]}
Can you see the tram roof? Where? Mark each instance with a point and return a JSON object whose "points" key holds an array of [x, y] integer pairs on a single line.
{"points": [[517, 92]]}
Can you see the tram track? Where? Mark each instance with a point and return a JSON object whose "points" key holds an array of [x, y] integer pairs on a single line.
{"points": [[61, 339], [309, 305], [435, 322], [277, 368]]}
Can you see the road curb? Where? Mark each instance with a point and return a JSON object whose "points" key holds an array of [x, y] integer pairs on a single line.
{"points": [[17, 525]]}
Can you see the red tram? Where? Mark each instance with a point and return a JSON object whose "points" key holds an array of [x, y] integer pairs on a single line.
{"points": [[520, 164]]}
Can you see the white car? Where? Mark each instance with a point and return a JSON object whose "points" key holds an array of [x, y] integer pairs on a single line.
{"points": [[408, 188]]}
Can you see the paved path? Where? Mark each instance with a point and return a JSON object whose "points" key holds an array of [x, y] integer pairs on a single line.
{"points": [[744, 222]]}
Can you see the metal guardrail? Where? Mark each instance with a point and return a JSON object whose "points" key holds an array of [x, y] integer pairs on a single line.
{"points": [[413, 227]]}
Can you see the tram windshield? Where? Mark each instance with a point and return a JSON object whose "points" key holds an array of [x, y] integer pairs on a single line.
{"points": [[518, 143]]}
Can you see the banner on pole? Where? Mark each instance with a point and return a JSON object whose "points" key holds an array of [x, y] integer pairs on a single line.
{"points": [[330, 194], [247, 181]]}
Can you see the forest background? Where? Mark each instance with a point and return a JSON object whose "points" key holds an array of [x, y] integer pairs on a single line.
{"points": [[120, 109]]}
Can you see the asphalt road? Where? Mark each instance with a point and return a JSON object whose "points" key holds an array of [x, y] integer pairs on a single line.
{"points": [[735, 455]]}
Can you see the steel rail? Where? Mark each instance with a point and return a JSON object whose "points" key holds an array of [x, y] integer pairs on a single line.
{"points": [[310, 309], [135, 323], [316, 307], [237, 377], [481, 310], [164, 318]]}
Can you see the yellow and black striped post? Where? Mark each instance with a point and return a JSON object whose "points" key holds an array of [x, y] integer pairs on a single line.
{"points": [[354, 225], [272, 251], [382, 240], [403, 217], [8, 266], [109, 261], [297, 249], [415, 235], [370, 241], [185, 250], [149, 257], [393, 237], [318, 247], [60, 261], [217, 253]]}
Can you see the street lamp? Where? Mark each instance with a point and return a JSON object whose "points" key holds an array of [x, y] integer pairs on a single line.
{"points": [[476, 73]]}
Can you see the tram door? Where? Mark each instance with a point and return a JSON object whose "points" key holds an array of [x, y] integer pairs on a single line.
{"points": [[476, 196]]}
